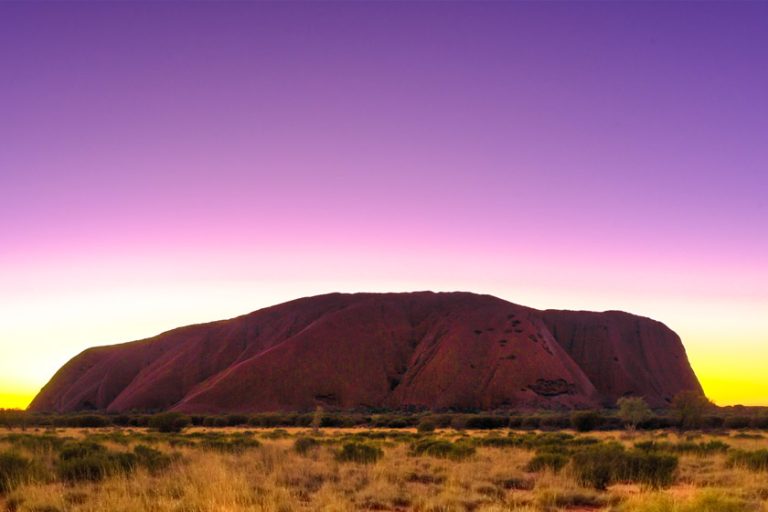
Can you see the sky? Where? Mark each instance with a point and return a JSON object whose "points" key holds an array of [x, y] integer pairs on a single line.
{"points": [[171, 163]]}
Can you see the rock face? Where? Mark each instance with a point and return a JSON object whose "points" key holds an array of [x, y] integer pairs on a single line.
{"points": [[346, 351]]}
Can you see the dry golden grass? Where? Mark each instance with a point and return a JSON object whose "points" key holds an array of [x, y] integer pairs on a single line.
{"points": [[274, 478]]}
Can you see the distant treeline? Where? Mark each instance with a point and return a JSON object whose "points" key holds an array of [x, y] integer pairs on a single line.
{"points": [[579, 420]]}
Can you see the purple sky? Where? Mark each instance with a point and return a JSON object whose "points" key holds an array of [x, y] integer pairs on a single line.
{"points": [[618, 149]]}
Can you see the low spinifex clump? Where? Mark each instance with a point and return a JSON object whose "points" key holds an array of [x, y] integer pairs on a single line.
{"points": [[605, 464], [442, 449], [36, 443], [361, 453], [545, 460], [278, 433], [701, 449], [755, 460], [89, 461], [14, 469], [305, 445], [232, 444], [153, 460]]}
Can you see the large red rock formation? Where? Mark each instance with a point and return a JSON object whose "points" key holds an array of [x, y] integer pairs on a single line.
{"points": [[433, 350]]}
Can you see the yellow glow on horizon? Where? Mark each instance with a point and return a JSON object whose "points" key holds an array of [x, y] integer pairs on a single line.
{"points": [[16, 399]]}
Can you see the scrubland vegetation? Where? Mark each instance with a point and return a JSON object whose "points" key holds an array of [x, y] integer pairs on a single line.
{"points": [[432, 463]]}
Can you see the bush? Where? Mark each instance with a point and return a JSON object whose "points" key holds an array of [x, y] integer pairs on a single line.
{"points": [[585, 421], [304, 445], [88, 421], [78, 450], [234, 420], [459, 422], [397, 423], [426, 426], [700, 449], [89, 468], [737, 422], [549, 422], [597, 466], [13, 470], [169, 422], [633, 411], [546, 460], [442, 449], [496, 441], [89, 461], [689, 408], [361, 453], [530, 423], [486, 422], [655, 470], [601, 465], [760, 422], [94, 467]]}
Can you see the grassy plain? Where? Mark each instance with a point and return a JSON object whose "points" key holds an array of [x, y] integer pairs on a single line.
{"points": [[235, 469]]}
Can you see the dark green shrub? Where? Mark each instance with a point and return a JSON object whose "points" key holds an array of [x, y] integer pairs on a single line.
{"points": [[95, 466], [442, 449], [271, 420], [656, 470], [208, 421], [597, 466], [737, 422], [169, 422], [88, 468], [459, 422], [14, 469], [496, 441], [122, 462], [304, 445], [361, 453], [546, 460], [530, 423], [760, 422], [90, 461], [601, 465], [88, 421], [550, 421], [426, 426], [234, 420], [486, 422], [215, 421], [690, 408], [700, 449], [398, 423], [81, 449], [585, 421]]}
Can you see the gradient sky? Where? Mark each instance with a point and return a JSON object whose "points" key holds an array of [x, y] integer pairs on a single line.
{"points": [[169, 163]]}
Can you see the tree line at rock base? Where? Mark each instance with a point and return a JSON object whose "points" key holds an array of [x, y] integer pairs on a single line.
{"points": [[688, 412]]}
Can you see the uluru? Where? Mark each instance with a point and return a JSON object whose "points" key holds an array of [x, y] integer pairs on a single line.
{"points": [[439, 351]]}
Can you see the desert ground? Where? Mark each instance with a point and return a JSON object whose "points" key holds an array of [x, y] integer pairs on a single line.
{"points": [[276, 469]]}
